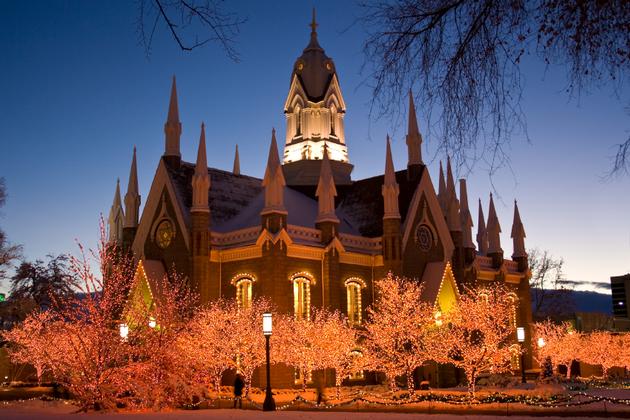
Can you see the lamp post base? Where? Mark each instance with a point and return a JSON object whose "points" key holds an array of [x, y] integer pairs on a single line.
{"points": [[269, 404], [523, 379]]}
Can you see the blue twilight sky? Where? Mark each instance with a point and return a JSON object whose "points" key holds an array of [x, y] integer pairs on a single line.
{"points": [[77, 93]]}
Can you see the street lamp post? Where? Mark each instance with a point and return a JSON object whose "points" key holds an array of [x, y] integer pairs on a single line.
{"points": [[520, 336], [269, 404]]}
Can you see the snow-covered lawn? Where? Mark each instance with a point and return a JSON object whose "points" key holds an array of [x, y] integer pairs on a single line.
{"points": [[57, 410]]}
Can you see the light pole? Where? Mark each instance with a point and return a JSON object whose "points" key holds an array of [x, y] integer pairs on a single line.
{"points": [[520, 336], [269, 404]]}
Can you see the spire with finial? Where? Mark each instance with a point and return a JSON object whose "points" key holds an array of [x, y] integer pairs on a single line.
{"points": [[236, 169], [390, 189], [414, 138], [452, 204], [494, 230], [274, 179], [442, 191], [518, 235], [172, 127], [132, 197], [326, 192], [116, 216], [464, 216], [313, 24], [482, 233], [201, 178]]}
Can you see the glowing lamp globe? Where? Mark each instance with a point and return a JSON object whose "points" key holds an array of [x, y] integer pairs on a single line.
{"points": [[124, 331], [541, 342], [152, 323], [267, 323]]}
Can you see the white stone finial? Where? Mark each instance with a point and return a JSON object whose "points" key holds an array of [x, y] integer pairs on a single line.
{"points": [[518, 234], [172, 127], [116, 216], [494, 230], [452, 204], [201, 178], [414, 138], [390, 188], [274, 179], [236, 168], [132, 197], [465, 217], [482, 233], [442, 191], [326, 193]]}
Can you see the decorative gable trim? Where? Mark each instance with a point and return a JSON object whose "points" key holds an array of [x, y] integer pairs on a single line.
{"points": [[425, 187], [161, 182]]}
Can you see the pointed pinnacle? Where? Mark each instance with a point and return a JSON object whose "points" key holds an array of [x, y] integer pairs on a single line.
{"points": [[236, 169], [326, 179], [481, 221], [132, 187], [117, 200], [390, 173], [493, 219], [412, 127], [517, 225], [201, 167], [450, 181], [173, 109]]}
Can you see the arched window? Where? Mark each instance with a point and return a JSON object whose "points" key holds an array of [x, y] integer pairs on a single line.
{"points": [[302, 295], [513, 299], [243, 284], [353, 293], [298, 120], [359, 374]]}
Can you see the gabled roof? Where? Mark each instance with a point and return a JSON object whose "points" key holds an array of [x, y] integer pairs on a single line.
{"points": [[362, 202], [438, 279], [229, 193]]}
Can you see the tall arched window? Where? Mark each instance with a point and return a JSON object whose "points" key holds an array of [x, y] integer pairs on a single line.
{"points": [[513, 299], [302, 295], [353, 293], [243, 284]]}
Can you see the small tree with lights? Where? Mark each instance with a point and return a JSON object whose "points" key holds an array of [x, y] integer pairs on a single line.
{"points": [[249, 343], [208, 344], [401, 333], [30, 342], [479, 332], [604, 349], [558, 343], [88, 351], [157, 374]]}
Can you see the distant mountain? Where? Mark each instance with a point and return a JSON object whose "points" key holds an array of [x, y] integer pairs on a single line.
{"points": [[588, 301]]}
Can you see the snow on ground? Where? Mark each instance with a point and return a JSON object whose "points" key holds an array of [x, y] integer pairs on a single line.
{"points": [[58, 410]]}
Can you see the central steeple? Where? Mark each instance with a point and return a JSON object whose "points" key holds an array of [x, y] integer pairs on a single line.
{"points": [[315, 111]]}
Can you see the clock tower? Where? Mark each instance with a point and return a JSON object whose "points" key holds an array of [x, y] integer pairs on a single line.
{"points": [[315, 112]]}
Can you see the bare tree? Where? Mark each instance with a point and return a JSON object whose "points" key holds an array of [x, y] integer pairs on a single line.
{"points": [[463, 59], [192, 23], [8, 253], [550, 295]]}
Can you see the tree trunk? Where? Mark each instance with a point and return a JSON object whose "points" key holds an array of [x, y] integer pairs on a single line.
{"points": [[304, 380], [338, 381], [392, 384], [410, 383], [569, 370]]}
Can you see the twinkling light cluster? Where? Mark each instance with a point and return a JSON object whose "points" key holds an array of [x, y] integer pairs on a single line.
{"points": [[561, 345]]}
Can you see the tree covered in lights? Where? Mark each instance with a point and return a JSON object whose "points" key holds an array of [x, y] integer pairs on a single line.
{"points": [[558, 343], [605, 349], [157, 374], [30, 342], [401, 333], [479, 332], [207, 344], [88, 350], [338, 346], [249, 342]]}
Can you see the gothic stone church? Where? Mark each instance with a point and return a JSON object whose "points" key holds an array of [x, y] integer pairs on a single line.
{"points": [[307, 234]]}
